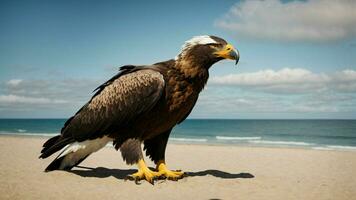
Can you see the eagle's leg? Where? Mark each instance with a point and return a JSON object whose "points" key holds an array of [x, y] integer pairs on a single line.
{"points": [[156, 149], [164, 171], [132, 154]]}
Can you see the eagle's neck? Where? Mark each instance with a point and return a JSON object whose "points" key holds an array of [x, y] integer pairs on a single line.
{"points": [[194, 71]]}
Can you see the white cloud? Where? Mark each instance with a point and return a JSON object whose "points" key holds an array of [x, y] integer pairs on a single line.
{"points": [[264, 93], [14, 82], [291, 81], [14, 99], [313, 20], [220, 102], [76, 90], [44, 97]]}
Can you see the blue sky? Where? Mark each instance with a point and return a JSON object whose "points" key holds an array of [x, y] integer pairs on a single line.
{"points": [[297, 57]]}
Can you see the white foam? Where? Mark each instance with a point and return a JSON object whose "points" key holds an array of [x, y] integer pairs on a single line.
{"points": [[21, 130], [281, 142], [29, 134], [339, 147], [335, 147], [237, 138], [188, 139], [322, 148]]}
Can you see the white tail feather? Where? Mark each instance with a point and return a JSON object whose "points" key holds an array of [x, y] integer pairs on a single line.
{"points": [[78, 150]]}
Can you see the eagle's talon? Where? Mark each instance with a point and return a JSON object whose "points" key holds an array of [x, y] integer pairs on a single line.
{"points": [[161, 177], [137, 182]]}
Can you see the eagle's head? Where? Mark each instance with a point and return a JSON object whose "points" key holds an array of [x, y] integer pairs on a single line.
{"points": [[207, 50]]}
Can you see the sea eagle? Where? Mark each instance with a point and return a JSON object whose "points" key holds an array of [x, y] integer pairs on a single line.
{"points": [[141, 104]]}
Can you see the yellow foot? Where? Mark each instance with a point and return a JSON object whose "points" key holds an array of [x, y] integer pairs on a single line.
{"points": [[146, 174], [143, 173], [169, 174]]}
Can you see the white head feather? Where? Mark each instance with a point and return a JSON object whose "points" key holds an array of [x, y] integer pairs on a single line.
{"points": [[202, 39]]}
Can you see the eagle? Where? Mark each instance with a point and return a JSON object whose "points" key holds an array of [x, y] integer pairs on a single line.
{"points": [[140, 105]]}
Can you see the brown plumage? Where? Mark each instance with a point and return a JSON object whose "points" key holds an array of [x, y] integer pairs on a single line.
{"points": [[141, 104]]}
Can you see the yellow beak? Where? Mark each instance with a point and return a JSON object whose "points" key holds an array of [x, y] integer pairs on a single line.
{"points": [[228, 52]]}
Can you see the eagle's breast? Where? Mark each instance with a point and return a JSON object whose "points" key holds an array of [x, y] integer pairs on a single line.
{"points": [[180, 93], [183, 90]]}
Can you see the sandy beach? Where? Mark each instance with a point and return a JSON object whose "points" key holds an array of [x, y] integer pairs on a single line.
{"points": [[214, 172]]}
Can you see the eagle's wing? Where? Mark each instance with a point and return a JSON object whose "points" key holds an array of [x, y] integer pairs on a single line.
{"points": [[123, 98], [118, 101]]}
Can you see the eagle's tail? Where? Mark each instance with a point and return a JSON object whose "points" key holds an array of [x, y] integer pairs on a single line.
{"points": [[51, 146], [54, 144], [73, 152], [60, 164]]}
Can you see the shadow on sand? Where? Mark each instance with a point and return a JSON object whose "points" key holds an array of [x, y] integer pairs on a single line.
{"points": [[220, 174], [102, 172]]}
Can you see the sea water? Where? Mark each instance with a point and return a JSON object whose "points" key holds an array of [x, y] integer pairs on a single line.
{"points": [[314, 134]]}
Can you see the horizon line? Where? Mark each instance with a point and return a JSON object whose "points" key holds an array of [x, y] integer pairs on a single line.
{"points": [[212, 118]]}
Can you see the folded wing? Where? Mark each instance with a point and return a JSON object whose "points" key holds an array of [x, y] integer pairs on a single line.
{"points": [[129, 94]]}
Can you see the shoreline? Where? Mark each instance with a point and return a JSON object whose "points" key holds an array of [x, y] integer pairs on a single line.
{"points": [[247, 145]]}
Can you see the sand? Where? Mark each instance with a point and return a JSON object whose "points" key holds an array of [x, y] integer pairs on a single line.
{"points": [[214, 172]]}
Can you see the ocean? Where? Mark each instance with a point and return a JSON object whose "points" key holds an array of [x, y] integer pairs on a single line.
{"points": [[314, 134]]}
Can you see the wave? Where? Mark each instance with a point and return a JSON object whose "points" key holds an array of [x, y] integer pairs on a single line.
{"points": [[21, 130], [335, 147], [29, 134], [281, 142], [188, 139], [322, 148], [339, 147], [236, 138]]}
